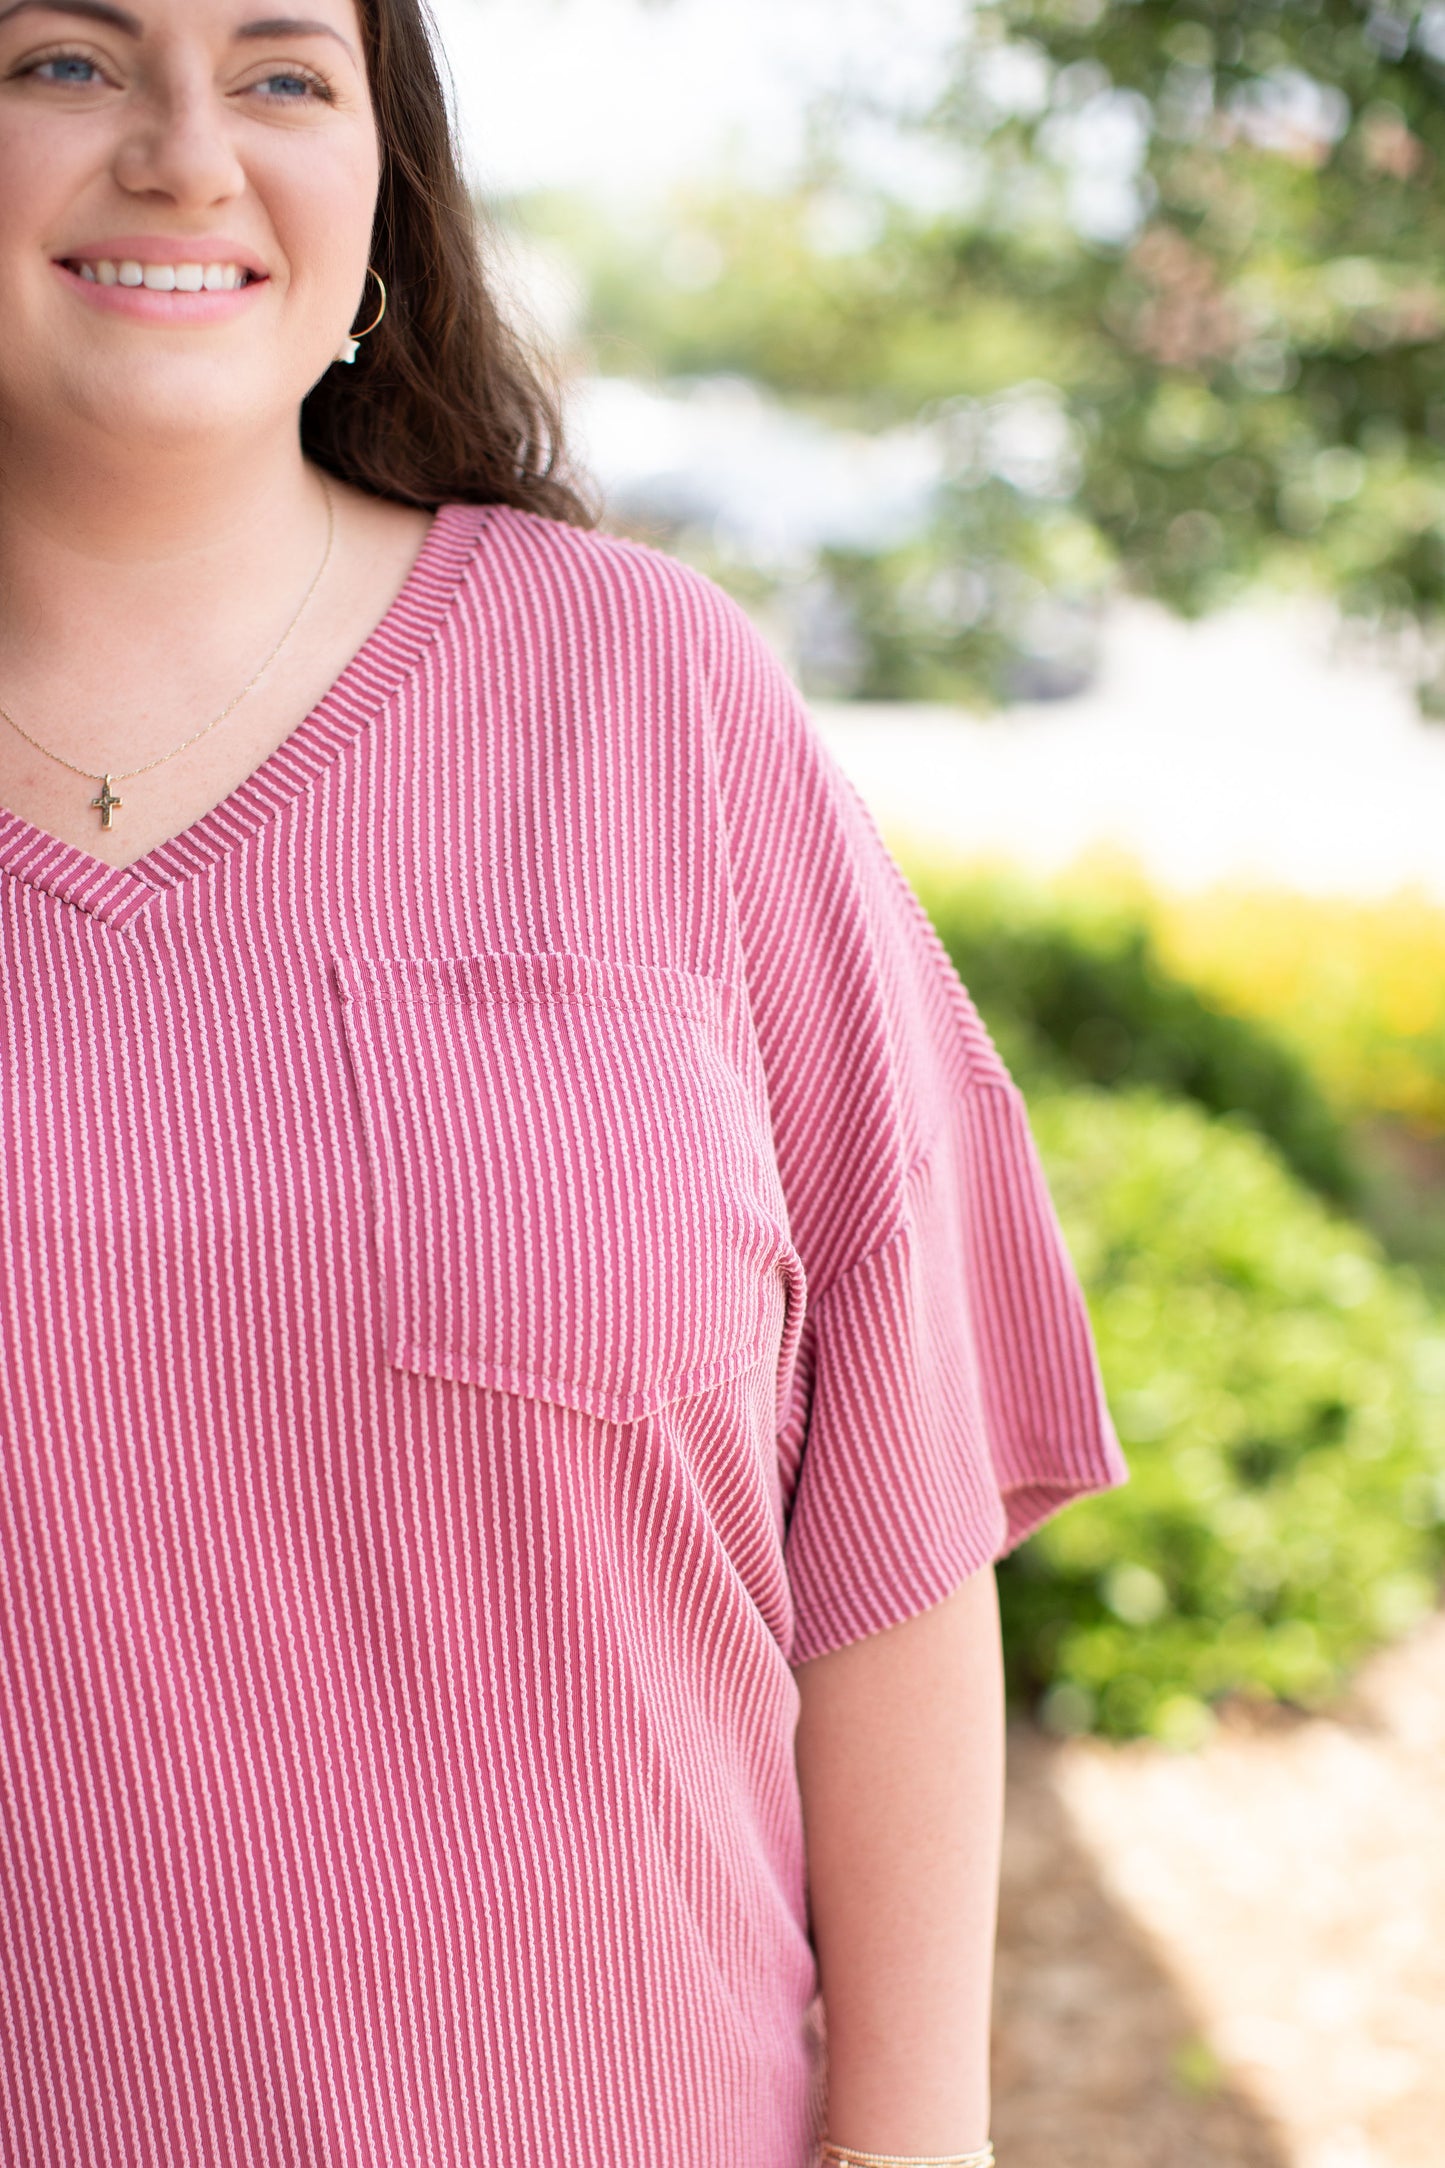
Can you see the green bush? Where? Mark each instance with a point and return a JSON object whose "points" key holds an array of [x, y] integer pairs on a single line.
{"points": [[1075, 996], [1279, 1389]]}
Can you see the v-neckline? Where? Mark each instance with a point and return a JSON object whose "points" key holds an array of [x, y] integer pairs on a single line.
{"points": [[115, 894]]}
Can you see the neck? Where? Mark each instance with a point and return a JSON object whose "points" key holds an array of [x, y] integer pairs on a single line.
{"points": [[133, 601], [117, 517]]}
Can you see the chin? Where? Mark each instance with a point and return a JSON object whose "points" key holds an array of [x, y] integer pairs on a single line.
{"points": [[188, 408]]}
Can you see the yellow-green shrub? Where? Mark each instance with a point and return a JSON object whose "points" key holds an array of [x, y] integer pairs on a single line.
{"points": [[1078, 992], [1355, 985], [1358, 987], [1280, 1391]]}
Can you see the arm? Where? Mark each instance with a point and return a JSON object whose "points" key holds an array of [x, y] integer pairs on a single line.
{"points": [[900, 1751]]}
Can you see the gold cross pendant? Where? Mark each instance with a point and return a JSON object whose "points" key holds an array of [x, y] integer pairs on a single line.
{"points": [[107, 801]]}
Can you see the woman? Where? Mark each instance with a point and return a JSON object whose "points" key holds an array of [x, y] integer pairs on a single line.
{"points": [[529, 1305]]}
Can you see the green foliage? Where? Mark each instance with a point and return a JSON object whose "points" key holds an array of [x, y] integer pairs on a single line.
{"points": [[1269, 378], [1250, 350], [1280, 1394], [734, 280], [946, 617], [978, 603], [1080, 995], [1278, 1385]]}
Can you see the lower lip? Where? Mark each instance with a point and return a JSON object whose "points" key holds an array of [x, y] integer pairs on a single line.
{"points": [[148, 306]]}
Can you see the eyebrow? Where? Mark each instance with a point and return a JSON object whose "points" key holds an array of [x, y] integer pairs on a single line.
{"points": [[92, 11], [96, 11], [290, 26]]}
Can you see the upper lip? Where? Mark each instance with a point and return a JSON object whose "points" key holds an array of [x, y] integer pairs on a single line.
{"points": [[201, 248]]}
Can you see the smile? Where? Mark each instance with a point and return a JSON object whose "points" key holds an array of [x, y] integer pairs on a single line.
{"points": [[165, 278]]}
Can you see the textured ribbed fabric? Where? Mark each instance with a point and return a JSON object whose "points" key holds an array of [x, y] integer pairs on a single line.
{"points": [[513, 1236]]}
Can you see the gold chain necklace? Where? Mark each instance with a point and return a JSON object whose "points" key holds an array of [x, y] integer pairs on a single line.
{"points": [[108, 803]]}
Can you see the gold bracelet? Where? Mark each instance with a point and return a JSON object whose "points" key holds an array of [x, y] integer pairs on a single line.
{"points": [[847, 2157]]}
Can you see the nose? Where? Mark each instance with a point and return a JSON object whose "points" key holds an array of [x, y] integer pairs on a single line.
{"points": [[179, 147]]}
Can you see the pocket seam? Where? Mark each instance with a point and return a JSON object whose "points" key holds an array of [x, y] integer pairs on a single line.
{"points": [[567, 975], [609, 1407]]}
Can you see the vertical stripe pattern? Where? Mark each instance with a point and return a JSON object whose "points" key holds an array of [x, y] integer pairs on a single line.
{"points": [[512, 1235]]}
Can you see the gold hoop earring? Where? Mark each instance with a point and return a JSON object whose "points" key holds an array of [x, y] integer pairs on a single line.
{"points": [[347, 349]]}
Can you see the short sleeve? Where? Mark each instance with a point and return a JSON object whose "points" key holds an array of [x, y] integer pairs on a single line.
{"points": [[942, 1394]]}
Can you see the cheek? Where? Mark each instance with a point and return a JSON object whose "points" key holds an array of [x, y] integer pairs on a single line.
{"points": [[40, 178], [324, 223]]}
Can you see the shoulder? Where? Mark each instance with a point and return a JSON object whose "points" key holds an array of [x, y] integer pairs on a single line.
{"points": [[591, 582], [625, 628]]}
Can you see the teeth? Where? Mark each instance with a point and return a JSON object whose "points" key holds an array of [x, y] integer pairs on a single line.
{"points": [[165, 278]]}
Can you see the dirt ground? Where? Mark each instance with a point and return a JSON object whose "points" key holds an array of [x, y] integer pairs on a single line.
{"points": [[1233, 1958]]}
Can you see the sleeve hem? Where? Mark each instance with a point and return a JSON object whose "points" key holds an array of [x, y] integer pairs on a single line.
{"points": [[1022, 1510]]}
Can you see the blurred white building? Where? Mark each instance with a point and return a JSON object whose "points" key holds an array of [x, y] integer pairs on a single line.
{"points": [[1259, 744]]}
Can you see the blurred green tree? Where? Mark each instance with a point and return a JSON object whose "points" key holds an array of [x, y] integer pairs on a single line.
{"points": [[1259, 369], [1213, 231]]}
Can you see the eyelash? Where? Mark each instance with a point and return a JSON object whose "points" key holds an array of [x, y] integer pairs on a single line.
{"points": [[314, 83], [45, 60], [316, 86]]}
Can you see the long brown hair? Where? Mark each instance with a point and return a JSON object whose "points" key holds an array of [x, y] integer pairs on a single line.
{"points": [[445, 401]]}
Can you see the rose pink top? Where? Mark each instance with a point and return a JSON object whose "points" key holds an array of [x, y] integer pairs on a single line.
{"points": [[513, 1236]]}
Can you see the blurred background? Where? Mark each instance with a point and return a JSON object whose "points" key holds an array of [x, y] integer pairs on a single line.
{"points": [[1062, 388]]}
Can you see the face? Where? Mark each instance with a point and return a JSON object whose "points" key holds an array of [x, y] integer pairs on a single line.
{"points": [[226, 161]]}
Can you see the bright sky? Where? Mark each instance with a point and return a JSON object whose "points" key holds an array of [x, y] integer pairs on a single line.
{"points": [[619, 96]]}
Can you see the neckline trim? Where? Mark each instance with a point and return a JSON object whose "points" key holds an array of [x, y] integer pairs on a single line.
{"points": [[387, 656]]}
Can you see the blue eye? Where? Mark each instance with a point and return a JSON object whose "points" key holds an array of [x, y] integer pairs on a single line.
{"points": [[71, 68], [298, 85]]}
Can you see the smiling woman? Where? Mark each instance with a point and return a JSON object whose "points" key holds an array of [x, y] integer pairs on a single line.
{"points": [[454, 407], [516, 1252]]}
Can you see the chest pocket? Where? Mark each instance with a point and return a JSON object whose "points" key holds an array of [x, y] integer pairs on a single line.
{"points": [[573, 1189]]}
